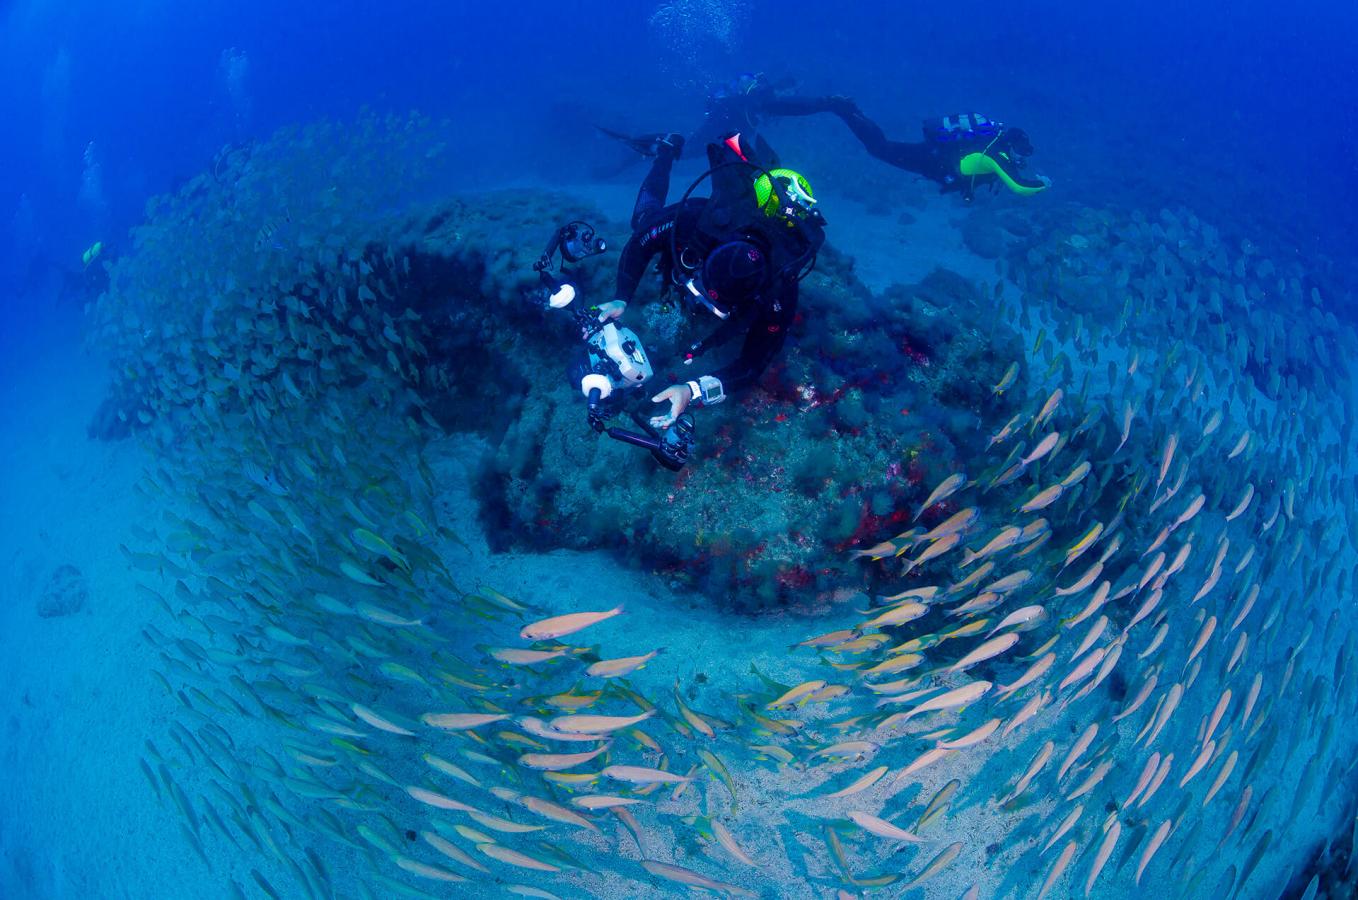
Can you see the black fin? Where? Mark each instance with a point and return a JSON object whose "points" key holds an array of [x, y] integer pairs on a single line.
{"points": [[642, 143]]}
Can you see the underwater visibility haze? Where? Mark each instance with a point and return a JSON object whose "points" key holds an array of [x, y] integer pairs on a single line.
{"points": [[752, 449]]}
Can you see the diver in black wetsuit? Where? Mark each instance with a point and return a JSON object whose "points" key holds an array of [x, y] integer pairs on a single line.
{"points": [[958, 152], [740, 254]]}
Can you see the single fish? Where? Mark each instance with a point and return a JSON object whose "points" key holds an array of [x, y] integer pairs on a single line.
{"points": [[1022, 618], [515, 656], [1084, 543], [1198, 764], [1008, 378], [425, 870], [1083, 582], [560, 626], [883, 828], [1044, 446], [1058, 867], [860, 784], [936, 865], [1225, 773], [959, 696], [1043, 498], [461, 721], [369, 541], [1066, 825], [603, 801], [973, 737], [1110, 840], [1246, 498], [451, 850], [1166, 458], [616, 668], [556, 762], [946, 488], [933, 551], [728, 843], [642, 775], [378, 721], [988, 650], [680, 875], [437, 800], [1146, 855], [957, 523], [1077, 474], [900, 614], [1077, 749], [1034, 672], [1007, 537], [587, 724], [515, 858]]}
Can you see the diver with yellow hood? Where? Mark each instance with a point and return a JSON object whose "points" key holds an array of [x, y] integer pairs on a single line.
{"points": [[959, 152], [737, 256]]}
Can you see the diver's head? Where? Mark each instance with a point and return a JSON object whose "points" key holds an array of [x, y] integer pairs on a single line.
{"points": [[1017, 142], [785, 194], [734, 276]]}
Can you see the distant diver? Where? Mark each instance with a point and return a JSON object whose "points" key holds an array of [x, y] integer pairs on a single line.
{"points": [[739, 254], [959, 152], [742, 105]]}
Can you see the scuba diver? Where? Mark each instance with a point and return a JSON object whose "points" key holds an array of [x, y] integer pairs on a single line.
{"points": [[738, 254], [958, 152]]}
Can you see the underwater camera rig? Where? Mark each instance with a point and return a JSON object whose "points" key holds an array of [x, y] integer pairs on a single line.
{"points": [[614, 361]]}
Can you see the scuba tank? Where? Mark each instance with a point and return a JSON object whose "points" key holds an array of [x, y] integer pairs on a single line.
{"points": [[961, 127]]}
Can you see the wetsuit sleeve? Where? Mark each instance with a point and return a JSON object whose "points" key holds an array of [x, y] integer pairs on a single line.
{"points": [[789, 105], [632, 262], [768, 332]]}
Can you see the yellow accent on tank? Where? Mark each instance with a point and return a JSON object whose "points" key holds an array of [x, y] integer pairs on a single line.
{"points": [[974, 164]]}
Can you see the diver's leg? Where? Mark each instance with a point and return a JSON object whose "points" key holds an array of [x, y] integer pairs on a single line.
{"points": [[917, 158], [867, 131], [656, 186]]}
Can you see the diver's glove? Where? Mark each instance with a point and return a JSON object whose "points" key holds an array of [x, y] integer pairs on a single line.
{"points": [[613, 309], [668, 146]]}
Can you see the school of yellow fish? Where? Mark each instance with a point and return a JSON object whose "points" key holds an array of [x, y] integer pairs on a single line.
{"points": [[1108, 655]]}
